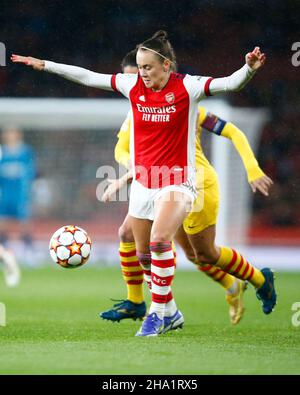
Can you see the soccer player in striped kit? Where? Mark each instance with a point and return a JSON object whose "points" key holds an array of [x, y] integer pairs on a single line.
{"points": [[165, 109]]}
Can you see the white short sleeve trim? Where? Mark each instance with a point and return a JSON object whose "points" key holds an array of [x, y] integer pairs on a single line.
{"points": [[197, 86], [123, 83]]}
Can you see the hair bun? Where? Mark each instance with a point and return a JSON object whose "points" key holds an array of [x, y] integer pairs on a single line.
{"points": [[161, 35]]}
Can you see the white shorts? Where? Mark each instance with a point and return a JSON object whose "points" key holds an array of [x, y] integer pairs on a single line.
{"points": [[142, 199]]}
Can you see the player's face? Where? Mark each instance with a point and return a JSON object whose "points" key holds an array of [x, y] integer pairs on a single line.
{"points": [[152, 71], [130, 70]]}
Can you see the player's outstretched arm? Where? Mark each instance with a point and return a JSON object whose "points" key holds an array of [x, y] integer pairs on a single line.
{"points": [[73, 73], [257, 179], [236, 81]]}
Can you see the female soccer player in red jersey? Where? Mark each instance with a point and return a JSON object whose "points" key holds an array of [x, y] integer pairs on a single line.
{"points": [[199, 223], [165, 108]]}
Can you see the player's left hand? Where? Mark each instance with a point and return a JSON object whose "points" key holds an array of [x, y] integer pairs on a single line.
{"points": [[36, 64], [113, 187], [255, 59], [262, 184]]}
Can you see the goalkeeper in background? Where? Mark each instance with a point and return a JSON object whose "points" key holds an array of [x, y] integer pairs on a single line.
{"points": [[197, 234]]}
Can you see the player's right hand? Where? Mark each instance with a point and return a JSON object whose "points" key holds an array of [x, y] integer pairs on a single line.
{"points": [[37, 64], [255, 59], [262, 184], [113, 187]]}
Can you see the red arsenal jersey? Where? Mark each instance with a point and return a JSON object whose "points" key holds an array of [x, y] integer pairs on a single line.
{"points": [[163, 127]]}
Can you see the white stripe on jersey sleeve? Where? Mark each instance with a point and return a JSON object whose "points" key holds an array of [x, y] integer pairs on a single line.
{"points": [[195, 85], [80, 75], [125, 82]]}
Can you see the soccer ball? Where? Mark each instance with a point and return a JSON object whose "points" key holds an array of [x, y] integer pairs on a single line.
{"points": [[70, 246]]}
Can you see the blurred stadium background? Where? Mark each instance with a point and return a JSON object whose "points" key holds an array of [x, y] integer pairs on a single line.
{"points": [[72, 139]]}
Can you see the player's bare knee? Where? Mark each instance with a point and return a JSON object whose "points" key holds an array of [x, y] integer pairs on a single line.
{"points": [[160, 237], [125, 234]]}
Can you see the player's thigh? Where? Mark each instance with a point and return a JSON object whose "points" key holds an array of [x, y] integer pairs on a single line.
{"points": [[141, 229], [205, 210], [141, 204], [170, 209], [141, 214]]}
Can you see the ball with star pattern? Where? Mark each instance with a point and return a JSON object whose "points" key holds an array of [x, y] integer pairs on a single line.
{"points": [[70, 246]]}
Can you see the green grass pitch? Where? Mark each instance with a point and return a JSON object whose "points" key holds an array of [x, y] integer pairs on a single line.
{"points": [[53, 328]]}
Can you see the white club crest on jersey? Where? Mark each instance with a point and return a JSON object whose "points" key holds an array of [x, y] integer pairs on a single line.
{"points": [[170, 97], [142, 98]]}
